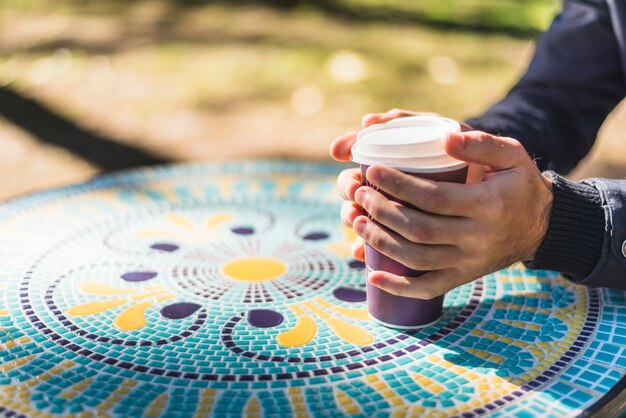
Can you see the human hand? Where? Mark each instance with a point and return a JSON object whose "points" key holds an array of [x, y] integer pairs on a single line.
{"points": [[461, 231], [340, 147], [349, 180]]}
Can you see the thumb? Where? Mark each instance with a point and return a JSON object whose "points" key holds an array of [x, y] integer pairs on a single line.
{"points": [[497, 152], [374, 118]]}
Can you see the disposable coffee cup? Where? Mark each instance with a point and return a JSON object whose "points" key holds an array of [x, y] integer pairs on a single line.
{"points": [[413, 145]]}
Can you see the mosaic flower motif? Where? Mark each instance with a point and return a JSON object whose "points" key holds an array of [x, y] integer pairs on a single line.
{"points": [[186, 229], [262, 272], [140, 300], [183, 228], [305, 329]]}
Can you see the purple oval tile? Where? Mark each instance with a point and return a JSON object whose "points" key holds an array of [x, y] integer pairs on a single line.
{"points": [[164, 246], [138, 276], [316, 236], [264, 318], [243, 230], [349, 295], [356, 264], [179, 310]]}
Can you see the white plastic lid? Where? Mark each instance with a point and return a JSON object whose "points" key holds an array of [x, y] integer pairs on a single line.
{"points": [[413, 144]]}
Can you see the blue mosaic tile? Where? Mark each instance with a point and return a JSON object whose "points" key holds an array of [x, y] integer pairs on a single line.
{"points": [[217, 289]]}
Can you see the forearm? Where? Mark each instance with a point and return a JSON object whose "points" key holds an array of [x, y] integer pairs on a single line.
{"points": [[573, 82], [586, 232]]}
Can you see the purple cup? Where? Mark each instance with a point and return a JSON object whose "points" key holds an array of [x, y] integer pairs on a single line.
{"points": [[399, 311], [414, 146]]}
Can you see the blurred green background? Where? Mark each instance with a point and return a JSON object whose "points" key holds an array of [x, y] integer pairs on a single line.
{"points": [[193, 80]]}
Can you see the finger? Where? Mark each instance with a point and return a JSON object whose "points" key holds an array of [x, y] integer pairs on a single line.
{"points": [[414, 225], [412, 255], [340, 147], [349, 212], [358, 249], [427, 286], [497, 152], [475, 173], [348, 181], [437, 197], [374, 118]]}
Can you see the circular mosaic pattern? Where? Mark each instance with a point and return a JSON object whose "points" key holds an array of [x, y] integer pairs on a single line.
{"points": [[229, 289]]}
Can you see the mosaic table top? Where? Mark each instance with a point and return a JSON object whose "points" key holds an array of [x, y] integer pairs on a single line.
{"points": [[228, 289]]}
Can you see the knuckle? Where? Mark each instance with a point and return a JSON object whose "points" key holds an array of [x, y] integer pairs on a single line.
{"points": [[514, 143], [516, 147], [428, 291], [419, 262], [435, 199], [484, 136], [373, 208], [395, 185], [400, 291], [375, 239], [420, 232]]}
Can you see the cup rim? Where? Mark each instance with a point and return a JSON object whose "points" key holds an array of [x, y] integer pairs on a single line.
{"points": [[419, 157]]}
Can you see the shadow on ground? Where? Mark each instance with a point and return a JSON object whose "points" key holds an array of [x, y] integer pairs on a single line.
{"points": [[49, 127]]}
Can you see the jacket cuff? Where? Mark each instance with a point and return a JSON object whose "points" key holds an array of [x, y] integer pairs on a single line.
{"points": [[573, 243]]}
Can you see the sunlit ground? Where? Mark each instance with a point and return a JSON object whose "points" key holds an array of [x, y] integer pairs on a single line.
{"points": [[221, 82]]}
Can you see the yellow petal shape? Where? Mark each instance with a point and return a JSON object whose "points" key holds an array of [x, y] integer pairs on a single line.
{"points": [[132, 318], [356, 313], [180, 220], [91, 308], [353, 334], [214, 221], [301, 334], [352, 312], [157, 292], [99, 288]]}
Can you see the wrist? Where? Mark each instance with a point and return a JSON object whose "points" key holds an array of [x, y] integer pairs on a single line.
{"points": [[572, 243], [540, 218]]}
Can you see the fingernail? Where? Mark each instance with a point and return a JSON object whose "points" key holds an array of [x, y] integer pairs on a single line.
{"points": [[360, 226], [373, 280], [360, 195], [458, 139], [376, 280]]}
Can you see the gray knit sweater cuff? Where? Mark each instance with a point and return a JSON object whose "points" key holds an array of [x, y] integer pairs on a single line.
{"points": [[573, 243]]}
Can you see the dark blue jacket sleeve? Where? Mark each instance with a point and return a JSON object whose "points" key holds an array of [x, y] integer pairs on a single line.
{"points": [[573, 82], [610, 271]]}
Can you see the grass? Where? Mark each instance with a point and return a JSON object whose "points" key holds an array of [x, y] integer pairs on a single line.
{"points": [[222, 81]]}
